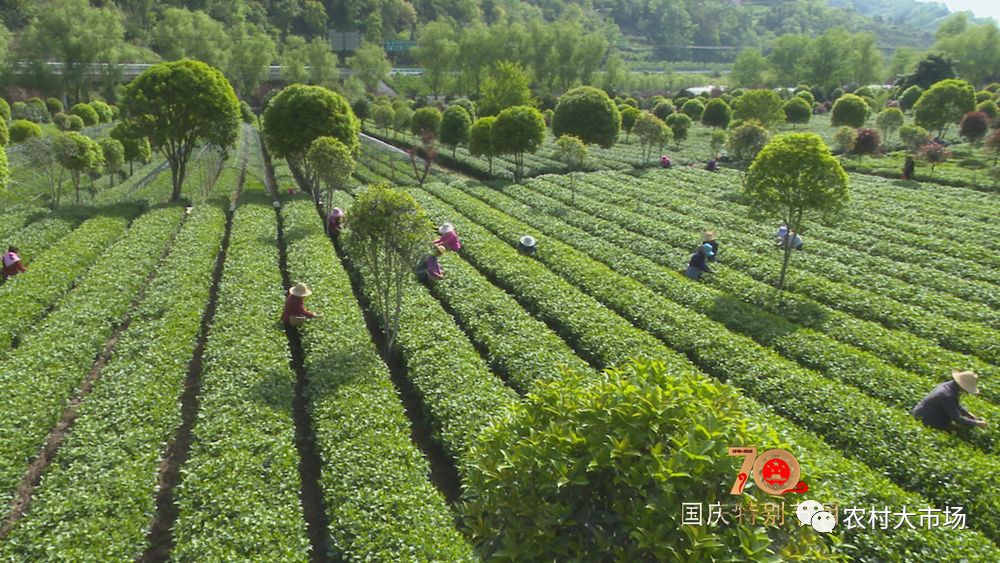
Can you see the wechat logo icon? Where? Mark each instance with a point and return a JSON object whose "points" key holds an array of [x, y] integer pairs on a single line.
{"points": [[811, 512]]}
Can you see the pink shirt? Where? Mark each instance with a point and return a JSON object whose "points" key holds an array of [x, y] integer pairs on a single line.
{"points": [[450, 241], [434, 267]]}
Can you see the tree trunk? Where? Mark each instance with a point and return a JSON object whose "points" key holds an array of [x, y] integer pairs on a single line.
{"points": [[784, 263], [177, 171], [76, 186]]}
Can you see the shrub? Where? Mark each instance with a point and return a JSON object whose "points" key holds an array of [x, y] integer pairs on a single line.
{"points": [[797, 110], [983, 95], [38, 112], [4, 110], [845, 138], [588, 114], [664, 109], [944, 103], [455, 125], [53, 105], [246, 112], [61, 121], [867, 141], [22, 130], [974, 126], [934, 154], [889, 120], [86, 113], [850, 110], [611, 489], [910, 97], [74, 123], [19, 110], [679, 125], [763, 106], [104, 114], [717, 114], [4, 135], [746, 141], [807, 96], [835, 94], [693, 109]]}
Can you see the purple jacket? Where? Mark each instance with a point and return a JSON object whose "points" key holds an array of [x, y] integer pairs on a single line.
{"points": [[450, 241]]}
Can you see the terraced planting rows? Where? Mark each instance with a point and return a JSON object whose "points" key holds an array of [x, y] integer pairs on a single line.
{"points": [[848, 481], [97, 499], [804, 396], [40, 375]]}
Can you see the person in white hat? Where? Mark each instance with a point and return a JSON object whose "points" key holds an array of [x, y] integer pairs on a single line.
{"points": [[527, 245], [295, 312], [448, 238], [12, 265], [941, 408]]}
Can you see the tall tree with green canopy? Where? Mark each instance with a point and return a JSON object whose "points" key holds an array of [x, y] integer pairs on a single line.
{"points": [[181, 33], [976, 52], [455, 126], [136, 146], [749, 69], [786, 58], [763, 106], [930, 70], [629, 116], [827, 60], [387, 234], [179, 105], [944, 104], [331, 163], [75, 34], [253, 51], [652, 132], [572, 152], [383, 115], [589, 115], [299, 114], [436, 51], [481, 139], [518, 130], [717, 114], [79, 154], [866, 61], [795, 174], [370, 65], [797, 110], [506, 86]]}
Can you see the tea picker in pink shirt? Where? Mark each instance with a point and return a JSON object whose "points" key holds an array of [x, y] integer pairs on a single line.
{"points": [[448, 238]]}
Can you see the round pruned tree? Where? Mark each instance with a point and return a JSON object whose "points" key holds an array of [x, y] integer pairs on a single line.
{"points": [[746, 141], [455, 125], [4, 111], [362, 109], [113, 152], [944, 104], [79, 154], [137, 148], [693, 109], [763, 106], [481, 139], [572, 152], [383, 115], [518, 130], [914, 136], [629, 116], [87, 113], [426, 121], [53, 105], [663, 109], [795, 175], [850, 110], [387, 234], [23, 130], [717, 114], [867, 141], [679, 124], [178, 106], [973, 128], [797, 111], [909, 97], [653, 133], [74, 123], [934, 154], [331, 162], [990, 109], [889, 121], [103, 110], [589, 115], [298, 115]]}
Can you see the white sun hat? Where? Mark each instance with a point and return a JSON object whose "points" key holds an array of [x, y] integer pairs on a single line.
{"points": [[446, 228], [300, 290]]}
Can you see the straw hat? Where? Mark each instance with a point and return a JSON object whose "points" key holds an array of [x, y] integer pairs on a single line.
{"points": [[337, 212], [300, 290], [967, 380], [527, 240], [446, 228], [708, 236]]}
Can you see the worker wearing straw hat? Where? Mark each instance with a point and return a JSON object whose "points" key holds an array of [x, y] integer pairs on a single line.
{"points": [[527, 245], [295, 312], [941, 409], [448, 238], [708, 237]]}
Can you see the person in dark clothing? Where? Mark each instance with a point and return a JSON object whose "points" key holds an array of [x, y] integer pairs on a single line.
{"points": [[708, 237], [527, 245], [699, 263], [941, 409], [713, 165], [908, 167], [665, 162], [430, 267]]}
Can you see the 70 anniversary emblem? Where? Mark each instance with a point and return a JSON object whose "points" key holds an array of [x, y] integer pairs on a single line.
{"points": [[775, 471]]}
